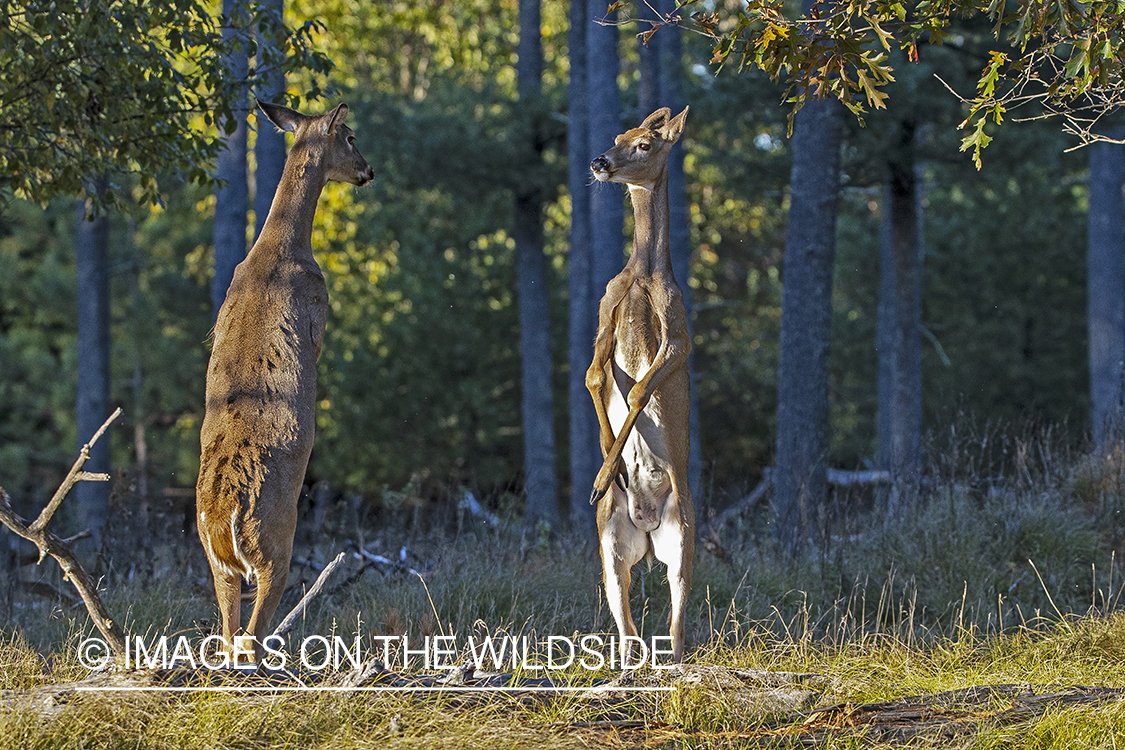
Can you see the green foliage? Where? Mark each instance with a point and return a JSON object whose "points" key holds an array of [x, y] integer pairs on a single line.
{"points": [[1064, 57], [121, 89], [37, 347], [1004, 284], [419, 375], [737, 171], [420, 369]]}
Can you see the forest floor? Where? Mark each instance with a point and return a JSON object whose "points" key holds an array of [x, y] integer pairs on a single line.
{"points": [[1047, 688], [1053, 683], [990, 617]]}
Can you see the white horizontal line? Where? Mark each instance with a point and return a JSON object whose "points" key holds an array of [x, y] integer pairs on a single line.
{"points": [[337, 689]]}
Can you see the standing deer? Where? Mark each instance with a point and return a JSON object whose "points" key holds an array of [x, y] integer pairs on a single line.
{"points": [[639, 383], [261, 382]]}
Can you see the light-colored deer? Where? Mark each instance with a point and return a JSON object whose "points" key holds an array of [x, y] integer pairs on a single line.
{"points": [[639, 383], [261, 382]]}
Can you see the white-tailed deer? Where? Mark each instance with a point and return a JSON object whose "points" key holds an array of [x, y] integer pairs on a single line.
{"points": [[639, 383], [261, 382]]}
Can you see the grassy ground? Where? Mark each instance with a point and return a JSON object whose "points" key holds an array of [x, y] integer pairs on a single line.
{"points": [[1086, 652], [986, 583]]}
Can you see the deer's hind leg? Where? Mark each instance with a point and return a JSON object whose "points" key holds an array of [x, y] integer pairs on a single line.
{"points": [[228, 592], [271, 579], [673, 543], [622, 546], [217, 529], [271, 550]]}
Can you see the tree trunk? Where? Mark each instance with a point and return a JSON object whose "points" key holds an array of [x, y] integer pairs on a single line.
{"points": [[669, 49], [806, 323], [585, 458], [92, 266], [1105, 282], [535, 329], [898, 328], [269, 148], [607, 205], [606, 224], [231, 200], [140, 413], [649, 96]]}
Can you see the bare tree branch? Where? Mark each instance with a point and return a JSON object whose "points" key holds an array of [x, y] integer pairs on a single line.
{"points": [[75, 476], [50, 544]]}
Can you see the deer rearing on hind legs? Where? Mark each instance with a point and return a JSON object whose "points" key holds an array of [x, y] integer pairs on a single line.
{"points": [[639, 383], [261, 381]]}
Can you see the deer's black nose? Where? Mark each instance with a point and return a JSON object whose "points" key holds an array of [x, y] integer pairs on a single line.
{"points": [[600, 164]]}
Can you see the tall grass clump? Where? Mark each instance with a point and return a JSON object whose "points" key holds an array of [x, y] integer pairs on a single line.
{"points": [[1002, 533]]}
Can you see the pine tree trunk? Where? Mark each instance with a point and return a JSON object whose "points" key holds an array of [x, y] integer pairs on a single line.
{"points": [[669, 48], [231, 200], [92, 266], [1105, 282], [607, 204], [898, 328], [535, 330], [269, 148], [584, 452], [800, 485]]}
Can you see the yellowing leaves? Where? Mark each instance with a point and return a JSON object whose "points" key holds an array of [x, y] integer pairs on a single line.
{"points": [[875, 97]]}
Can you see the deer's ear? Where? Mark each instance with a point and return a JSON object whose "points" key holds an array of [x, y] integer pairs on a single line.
{"points": [[674, 128], [283, 117], [335, 118], [657, 119]]}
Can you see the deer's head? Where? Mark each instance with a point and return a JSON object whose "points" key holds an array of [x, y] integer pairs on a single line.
{"points": [[327, 133], [639, 156]]}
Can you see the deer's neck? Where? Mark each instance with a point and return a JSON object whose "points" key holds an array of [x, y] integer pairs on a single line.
{"points": [[650, 227], [289, 225]]}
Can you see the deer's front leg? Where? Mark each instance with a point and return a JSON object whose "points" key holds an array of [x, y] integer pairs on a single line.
{"points": [[597, 381], [673, 353]]}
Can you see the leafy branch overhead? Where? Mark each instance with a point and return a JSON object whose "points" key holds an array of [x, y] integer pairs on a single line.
{"points": [[1062, 56], [126, 89]]}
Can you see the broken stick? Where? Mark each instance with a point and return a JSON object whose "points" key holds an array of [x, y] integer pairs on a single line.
{"points": [[291, 618], [48, 543]]}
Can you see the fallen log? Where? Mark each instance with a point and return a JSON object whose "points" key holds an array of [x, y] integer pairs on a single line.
{"points": [[835, 477]]}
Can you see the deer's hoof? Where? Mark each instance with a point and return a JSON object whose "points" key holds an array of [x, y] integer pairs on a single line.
{"points": [[622, 481], [596, 495]]}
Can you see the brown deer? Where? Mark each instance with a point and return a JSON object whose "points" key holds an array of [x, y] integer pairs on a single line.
{"points": [[261, 382], [639, 383]]}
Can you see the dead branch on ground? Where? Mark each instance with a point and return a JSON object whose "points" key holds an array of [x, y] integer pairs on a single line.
{"points": [[291, 618]]}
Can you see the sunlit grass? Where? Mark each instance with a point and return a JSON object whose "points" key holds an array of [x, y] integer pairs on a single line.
{"points": [[1016, 586]]}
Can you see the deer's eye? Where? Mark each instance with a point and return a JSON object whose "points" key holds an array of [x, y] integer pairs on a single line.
{"points": [[643, 146], [351, 140]]}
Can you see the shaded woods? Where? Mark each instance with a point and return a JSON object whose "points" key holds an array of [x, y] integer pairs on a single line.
{"points": [[463, 282]]}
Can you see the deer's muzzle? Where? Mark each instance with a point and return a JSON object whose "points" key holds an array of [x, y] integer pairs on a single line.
{"points": [[601, 168]]}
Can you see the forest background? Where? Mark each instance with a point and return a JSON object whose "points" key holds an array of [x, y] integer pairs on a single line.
{"points": [[421, 376]]}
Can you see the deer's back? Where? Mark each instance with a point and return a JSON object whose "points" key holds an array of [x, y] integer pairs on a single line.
{"points": [[261, 382]]}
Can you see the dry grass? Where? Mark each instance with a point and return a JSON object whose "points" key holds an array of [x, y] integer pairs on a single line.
{"points": [[946, 599]]}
